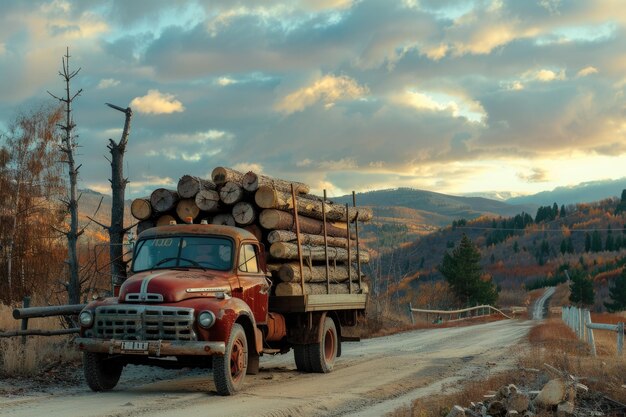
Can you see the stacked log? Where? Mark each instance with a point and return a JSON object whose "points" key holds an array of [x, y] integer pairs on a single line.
{"points": [[264, 206]]}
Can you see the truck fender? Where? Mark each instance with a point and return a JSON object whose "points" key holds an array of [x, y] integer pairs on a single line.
{"points": [[231, 311]]}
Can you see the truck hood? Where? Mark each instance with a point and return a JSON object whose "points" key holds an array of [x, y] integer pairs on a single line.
{"points": [[171, 286]]}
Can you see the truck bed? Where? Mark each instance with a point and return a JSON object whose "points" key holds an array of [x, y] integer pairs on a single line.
{"points": [[317, 302]]}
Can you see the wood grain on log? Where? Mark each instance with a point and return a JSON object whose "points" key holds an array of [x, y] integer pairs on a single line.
{"points": [[189, 186], [165, 220], [231, 193], [186, 208], [244, 213], [208, 200], [163, 200], [252, 181], [141, 209], [292, 288], [308, 205], [290, 272], [272, 219], [306, 239], [286, 250], [225, 219], [222, 175]]}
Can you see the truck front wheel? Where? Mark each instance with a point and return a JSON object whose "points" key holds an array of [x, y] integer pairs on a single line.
{"points": [[229, 370], [101, 374], [322, 355]]}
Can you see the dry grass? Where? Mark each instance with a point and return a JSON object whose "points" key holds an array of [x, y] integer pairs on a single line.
{"points": [[38, 353]]}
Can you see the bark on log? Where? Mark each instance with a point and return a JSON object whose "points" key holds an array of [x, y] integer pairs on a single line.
{"points": [[165, 220], [292, 288], [244, 213], [308, 205], [252, 181], [306, 239], [222, 175], [141, 209], [208, 200], [189, 186], [187, 208], [163, 200], [286, 250], [145, 225], [290, 272], [231, 193], [225, 219], [272, 219]]}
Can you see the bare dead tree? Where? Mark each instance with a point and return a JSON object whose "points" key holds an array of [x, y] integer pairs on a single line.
{"points": [[118, 185], [68, 147]]}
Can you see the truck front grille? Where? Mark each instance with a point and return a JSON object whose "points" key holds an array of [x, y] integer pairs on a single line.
{"points": [[141, 322]]}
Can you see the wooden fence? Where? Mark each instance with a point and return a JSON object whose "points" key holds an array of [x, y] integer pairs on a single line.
{"points": [[579, 320], [462, 314]]}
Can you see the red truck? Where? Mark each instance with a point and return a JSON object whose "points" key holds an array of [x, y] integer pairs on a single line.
{"points": [[199, 296]]}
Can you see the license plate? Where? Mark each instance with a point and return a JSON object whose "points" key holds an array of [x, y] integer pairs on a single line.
{"points": [[134, 347]]}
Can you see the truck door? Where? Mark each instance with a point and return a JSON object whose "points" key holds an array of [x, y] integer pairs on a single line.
{"points": [[255, 287]]}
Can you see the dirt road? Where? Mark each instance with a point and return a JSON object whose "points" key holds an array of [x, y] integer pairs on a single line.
{"points": [[371, 378], [540, 306]]}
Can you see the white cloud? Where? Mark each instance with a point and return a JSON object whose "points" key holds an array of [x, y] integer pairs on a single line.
{"points": [[107, 83], [587, 71], [248, 166], [339, 165], [156, 102], [225, 81], [304, 163], [328, 89], [457, 106], [544, 75]]}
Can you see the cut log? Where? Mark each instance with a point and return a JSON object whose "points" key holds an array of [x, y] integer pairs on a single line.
{"points": [[252, 181], [222, 175], [163, 200], [244, 213], [286, 250], [145, 225], [292, 288], [187, 208], [208, 200], [225, 219], [189, 186], [256, 231], [272, 219], [290, 272], [308, 205], [306, 239], [165, 220], [141, 209], [231, 193]]}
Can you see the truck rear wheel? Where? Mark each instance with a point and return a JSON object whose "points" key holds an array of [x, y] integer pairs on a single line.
{"points": [[101, 374], [301, 355], [229, 370], [322, 355]]}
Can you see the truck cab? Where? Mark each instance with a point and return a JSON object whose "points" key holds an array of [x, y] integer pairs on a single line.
{"points": [[199, 295]]}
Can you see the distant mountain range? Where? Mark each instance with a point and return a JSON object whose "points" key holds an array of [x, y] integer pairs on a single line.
{"points": [[582, 193]]}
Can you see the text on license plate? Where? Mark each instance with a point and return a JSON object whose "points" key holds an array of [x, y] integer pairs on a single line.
{"points": [[135, 346]]}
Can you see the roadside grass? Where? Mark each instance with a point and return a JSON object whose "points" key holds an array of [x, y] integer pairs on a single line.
{"points": [[39, 353], [549, 342]]}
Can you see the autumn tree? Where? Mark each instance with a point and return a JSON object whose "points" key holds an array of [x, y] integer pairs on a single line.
{"points": [[617, 292], [463, 272]]}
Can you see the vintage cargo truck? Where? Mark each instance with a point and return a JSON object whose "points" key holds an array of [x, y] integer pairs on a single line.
{"points": [[199, 295]]}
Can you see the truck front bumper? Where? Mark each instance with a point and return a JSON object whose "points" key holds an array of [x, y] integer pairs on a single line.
{"points": [[150, 347]]}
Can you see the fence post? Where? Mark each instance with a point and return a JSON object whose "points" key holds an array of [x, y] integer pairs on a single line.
{"points": [[411, 313], [25, 304], [590, 339], [620, 337]]}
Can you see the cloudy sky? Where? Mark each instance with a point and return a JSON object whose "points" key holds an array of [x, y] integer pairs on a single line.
{"points": [[443, 95]]}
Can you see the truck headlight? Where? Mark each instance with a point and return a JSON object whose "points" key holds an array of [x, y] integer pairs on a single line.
{"points": [[86, 318], [206, 319]]}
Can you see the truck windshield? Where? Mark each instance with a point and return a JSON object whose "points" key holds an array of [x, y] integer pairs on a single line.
{"points": [[183, 251]]}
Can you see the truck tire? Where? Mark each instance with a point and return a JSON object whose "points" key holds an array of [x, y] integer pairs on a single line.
{"points": [[101, 374], [322, 355], [301, 355], [229, 370]]}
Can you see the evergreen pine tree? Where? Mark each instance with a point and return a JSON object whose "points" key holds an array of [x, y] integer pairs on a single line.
{"points": [[596, 241], [587, 242], [570, 245], [581, 290], [463, 272], [563, 247], [562, 213], [555, 211], [618, 294], [609, 244]]}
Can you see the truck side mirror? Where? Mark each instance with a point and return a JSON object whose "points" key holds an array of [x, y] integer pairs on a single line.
{"points": [[262, 261]]}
